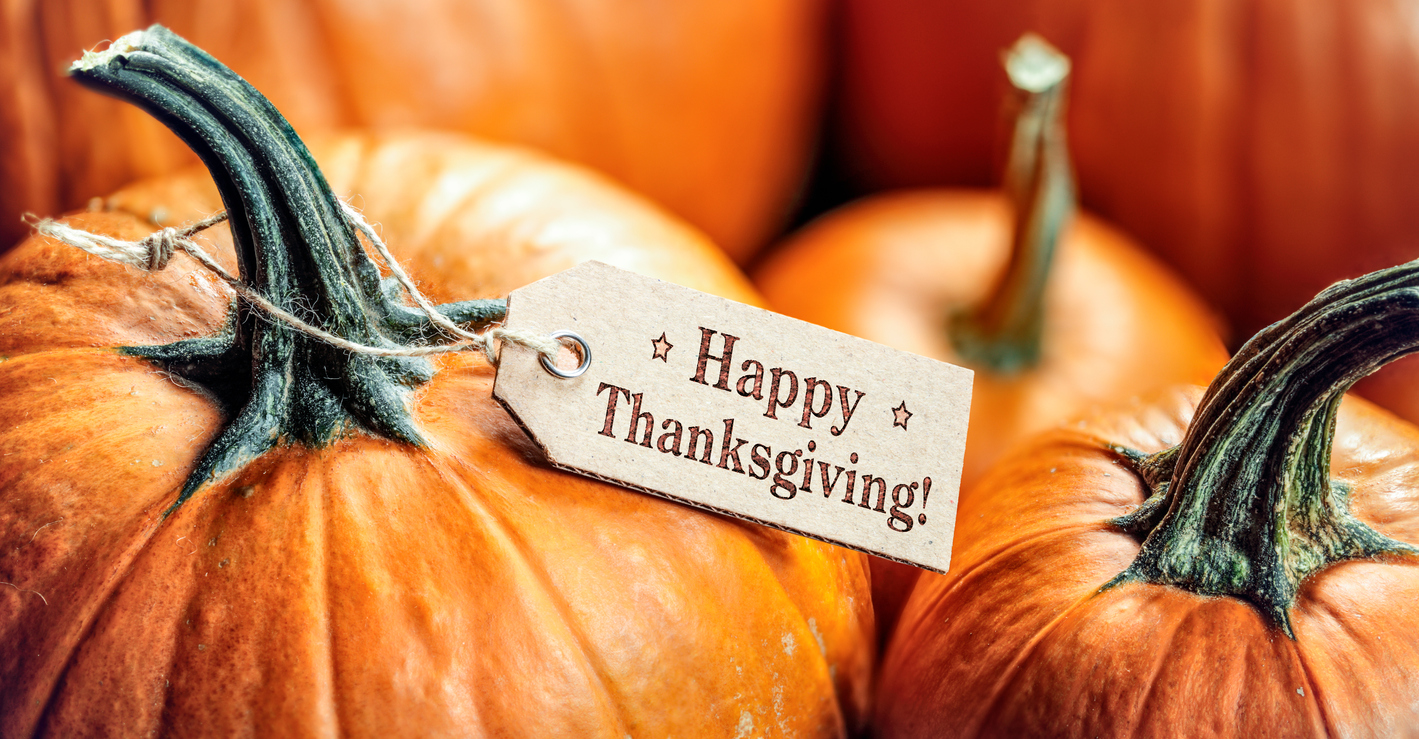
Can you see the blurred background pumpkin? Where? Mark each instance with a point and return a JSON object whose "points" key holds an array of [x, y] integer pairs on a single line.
{"points": [[1056, 311], [1263, 148], [709, 107]]}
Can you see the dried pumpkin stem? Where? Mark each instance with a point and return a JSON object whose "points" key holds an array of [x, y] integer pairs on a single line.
{"points": [[1245, 505], [294, 248], [1003, 333]]}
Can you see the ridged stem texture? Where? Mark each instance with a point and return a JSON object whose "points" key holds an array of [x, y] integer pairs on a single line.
{"points": [[295, 248], [1245, 505]]}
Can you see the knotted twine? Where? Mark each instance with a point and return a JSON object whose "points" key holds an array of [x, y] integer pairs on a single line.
{"points": [[153, 252]]}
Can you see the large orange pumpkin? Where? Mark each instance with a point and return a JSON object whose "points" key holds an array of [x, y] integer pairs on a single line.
{"points": [[1264, 148], [707, 106], [1188, 566], [388, 554], [1097, 322]]}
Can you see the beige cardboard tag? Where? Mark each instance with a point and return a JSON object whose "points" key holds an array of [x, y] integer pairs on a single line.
{"points": [[743, 411]]}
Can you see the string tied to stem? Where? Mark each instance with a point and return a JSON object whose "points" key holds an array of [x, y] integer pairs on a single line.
{"points": [[149, 254], [153, 252], [161, 245]]}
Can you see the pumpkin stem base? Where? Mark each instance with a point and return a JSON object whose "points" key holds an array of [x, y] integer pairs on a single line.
{"points": [[1199, 565], [296, 247], [218, 365], [1245, 506]]}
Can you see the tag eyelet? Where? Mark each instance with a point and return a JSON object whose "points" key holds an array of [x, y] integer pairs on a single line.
{"points": [[585, 356]]}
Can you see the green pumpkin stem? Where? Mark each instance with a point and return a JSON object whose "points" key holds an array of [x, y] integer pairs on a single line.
{"points": [[1003, 333], [294, 247], [1245, 505]]}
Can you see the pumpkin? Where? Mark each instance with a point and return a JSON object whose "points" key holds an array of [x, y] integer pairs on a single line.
{"points": [[215, 525], [707, 106], [927, 271], [1263, 148], [1393, 388], [1239, 562]]}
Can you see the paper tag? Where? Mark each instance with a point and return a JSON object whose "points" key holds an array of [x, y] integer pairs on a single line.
{"points": [[742, 411]]}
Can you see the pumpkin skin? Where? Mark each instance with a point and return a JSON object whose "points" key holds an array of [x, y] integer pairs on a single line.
{"points": [[1264, 149], [894, 267], [1018, 640], [1393, 388], [367, 587], [708, 107], [891, 269], [528, 214]]}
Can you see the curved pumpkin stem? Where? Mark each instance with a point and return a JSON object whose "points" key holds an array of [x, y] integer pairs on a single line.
{"points": [[1245, 506], [1003, 333], [294, 246]]}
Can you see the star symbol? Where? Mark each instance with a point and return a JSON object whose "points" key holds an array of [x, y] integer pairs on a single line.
{"points": [[902, 415], [662, 349]]}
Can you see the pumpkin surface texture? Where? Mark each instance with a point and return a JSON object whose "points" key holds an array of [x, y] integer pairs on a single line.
{"points": [[1054, 312], [216, 525], [1264, 148], [1234, 563], [707, 106]]}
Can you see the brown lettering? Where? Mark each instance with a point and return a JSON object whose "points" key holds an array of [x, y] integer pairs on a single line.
{"points": [[867, 481], [725, 453], [851, 483], [898, 517], [847, 410], [810, 388], [774, 404], [636, 418], [611, 406], [695, 433], [725, 360], [781, 479], [758, 392], [674, 449], [823, 476], [760, 460]]}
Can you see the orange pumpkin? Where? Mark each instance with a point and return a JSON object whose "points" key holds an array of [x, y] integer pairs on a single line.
{"points": [[1393, 388], [1186, 566], [1263, 148], [389, 555], [915, 269], [707, 106]]}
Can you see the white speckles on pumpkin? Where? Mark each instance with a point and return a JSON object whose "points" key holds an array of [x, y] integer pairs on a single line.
{"points": [[817, 636], [745, 729]]}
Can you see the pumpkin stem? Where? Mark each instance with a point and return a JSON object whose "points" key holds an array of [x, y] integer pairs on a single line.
{"points": [[1003, 333], [1245, 505], [294, 247]]}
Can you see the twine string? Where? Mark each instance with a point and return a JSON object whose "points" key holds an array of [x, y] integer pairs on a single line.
{"points": [[153, 252]]}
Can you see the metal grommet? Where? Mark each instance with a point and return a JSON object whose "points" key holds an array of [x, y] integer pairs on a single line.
{"points": [[585, 356]]}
